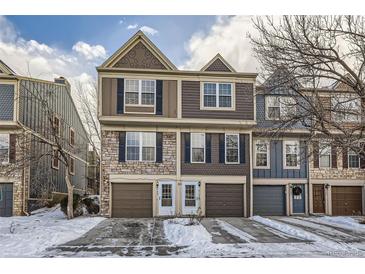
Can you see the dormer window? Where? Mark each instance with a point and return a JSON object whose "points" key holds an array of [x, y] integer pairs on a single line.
{"points": [[140, 92], [217, 96]]}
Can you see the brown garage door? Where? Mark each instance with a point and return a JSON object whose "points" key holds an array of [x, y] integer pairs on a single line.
{"points": [[346, 200], [132, 200], [224, 200]]}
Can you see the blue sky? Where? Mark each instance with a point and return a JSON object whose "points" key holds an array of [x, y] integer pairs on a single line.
{"points": [[110, 31], [72, 46]]}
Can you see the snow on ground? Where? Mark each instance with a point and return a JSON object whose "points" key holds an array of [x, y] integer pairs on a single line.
{"points": [[30, 236], [197, 242], [342, 222]]}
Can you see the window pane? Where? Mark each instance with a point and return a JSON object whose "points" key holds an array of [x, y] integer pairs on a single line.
{"points": [[197, 140], [210, 101], [354, 160], [225, 101], [291, 160], [131, 98], [149, 139], [324, 161], [148, 154], [190, 195], [166, 195], [232, 155], [198, 155], [148, 98], [232, 141], [4, 148], [224, 89], [131, 85], [132, 139], [148, 86], [261, 159], [132, 153], [273, 113], [209, 89]]}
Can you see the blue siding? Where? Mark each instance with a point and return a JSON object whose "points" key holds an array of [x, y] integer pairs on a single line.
{"points": [[6, 102], [276, 169]]}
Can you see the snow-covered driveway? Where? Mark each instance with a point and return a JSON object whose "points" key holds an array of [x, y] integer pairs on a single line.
{"points": [[221, 237], [31, 236]]}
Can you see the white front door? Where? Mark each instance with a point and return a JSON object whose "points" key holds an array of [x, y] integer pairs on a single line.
{"points": [[190, 198], [166, 198]]}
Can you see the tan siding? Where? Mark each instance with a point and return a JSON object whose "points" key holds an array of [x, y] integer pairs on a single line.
{"points": [[169, 89], [109, 96], [150, 110], [191, 103]]}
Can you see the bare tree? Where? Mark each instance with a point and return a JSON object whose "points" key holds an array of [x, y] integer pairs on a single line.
{"points": [[319, 62]]}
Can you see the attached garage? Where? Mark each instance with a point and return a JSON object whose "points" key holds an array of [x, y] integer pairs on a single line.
{"points": [[269, 200], [224, 200], [346, 200], [6, 199], [132, 200]]}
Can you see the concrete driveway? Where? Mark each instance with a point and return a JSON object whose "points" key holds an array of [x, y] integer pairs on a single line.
{"points": [[220, 237]]}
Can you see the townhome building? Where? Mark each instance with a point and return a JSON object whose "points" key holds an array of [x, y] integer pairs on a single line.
{"points": [[280, 164], [336, 173], [30, 172], [174, 142]]}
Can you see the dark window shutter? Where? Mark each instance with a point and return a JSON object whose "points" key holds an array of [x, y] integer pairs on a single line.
{"points": [[315, 154], [221, 148], [362, 156], [208, 147], [187, 147], [159, 97], [120, 95], [159, 148], [12, 148], [334, 156], [242, 148], [122, 137], [345, 163]]}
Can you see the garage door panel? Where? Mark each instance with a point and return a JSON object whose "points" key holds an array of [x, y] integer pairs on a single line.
{"points": [[132, 200], [346, 200], [269, 200], [224, 200]]}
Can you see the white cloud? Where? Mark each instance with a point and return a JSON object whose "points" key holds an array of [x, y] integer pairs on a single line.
{"points": [[149, 30], [121, 21], [134, 26], [227, 36], [89, 52]]}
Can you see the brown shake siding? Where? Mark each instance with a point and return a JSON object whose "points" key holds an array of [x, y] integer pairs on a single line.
{"points": [[191, 103], [218, 65], [215, 168], [109, 100]]}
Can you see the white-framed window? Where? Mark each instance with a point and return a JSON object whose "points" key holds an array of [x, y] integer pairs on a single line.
{"points": [[55, 159], [140, 92], [141, 146], [56, 125], [232, 148], [4, 148], [346, 108], [197, 146], [217, 96], [262, 154], [353, 159], [291, 154], [325, 155], [279, 107]]}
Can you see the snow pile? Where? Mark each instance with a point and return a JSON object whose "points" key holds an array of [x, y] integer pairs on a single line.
{"points": [[236, 232], [30, 236], [343, 222], [181, 233], [288, 229]]}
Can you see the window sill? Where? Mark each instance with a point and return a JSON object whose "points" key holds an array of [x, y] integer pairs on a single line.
{"points": [[217, 109], [136, 105], [261, 167], [291, 167]]}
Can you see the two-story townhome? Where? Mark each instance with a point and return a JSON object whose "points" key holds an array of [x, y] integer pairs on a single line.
{"points": [[174, 142], [336, 173], [280, 169], [30, 173]]}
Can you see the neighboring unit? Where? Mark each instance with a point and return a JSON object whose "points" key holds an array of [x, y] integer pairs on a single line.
{"points": [[280, 169], [174, 142], [29, 173]]}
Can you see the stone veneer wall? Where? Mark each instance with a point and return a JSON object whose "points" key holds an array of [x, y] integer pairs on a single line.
{"points": [[336, 173], [111, 165], [16, 176]]}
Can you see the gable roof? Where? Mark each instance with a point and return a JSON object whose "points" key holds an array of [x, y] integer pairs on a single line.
{"points": [[135, 39], [218, 63], [4, 68]]}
